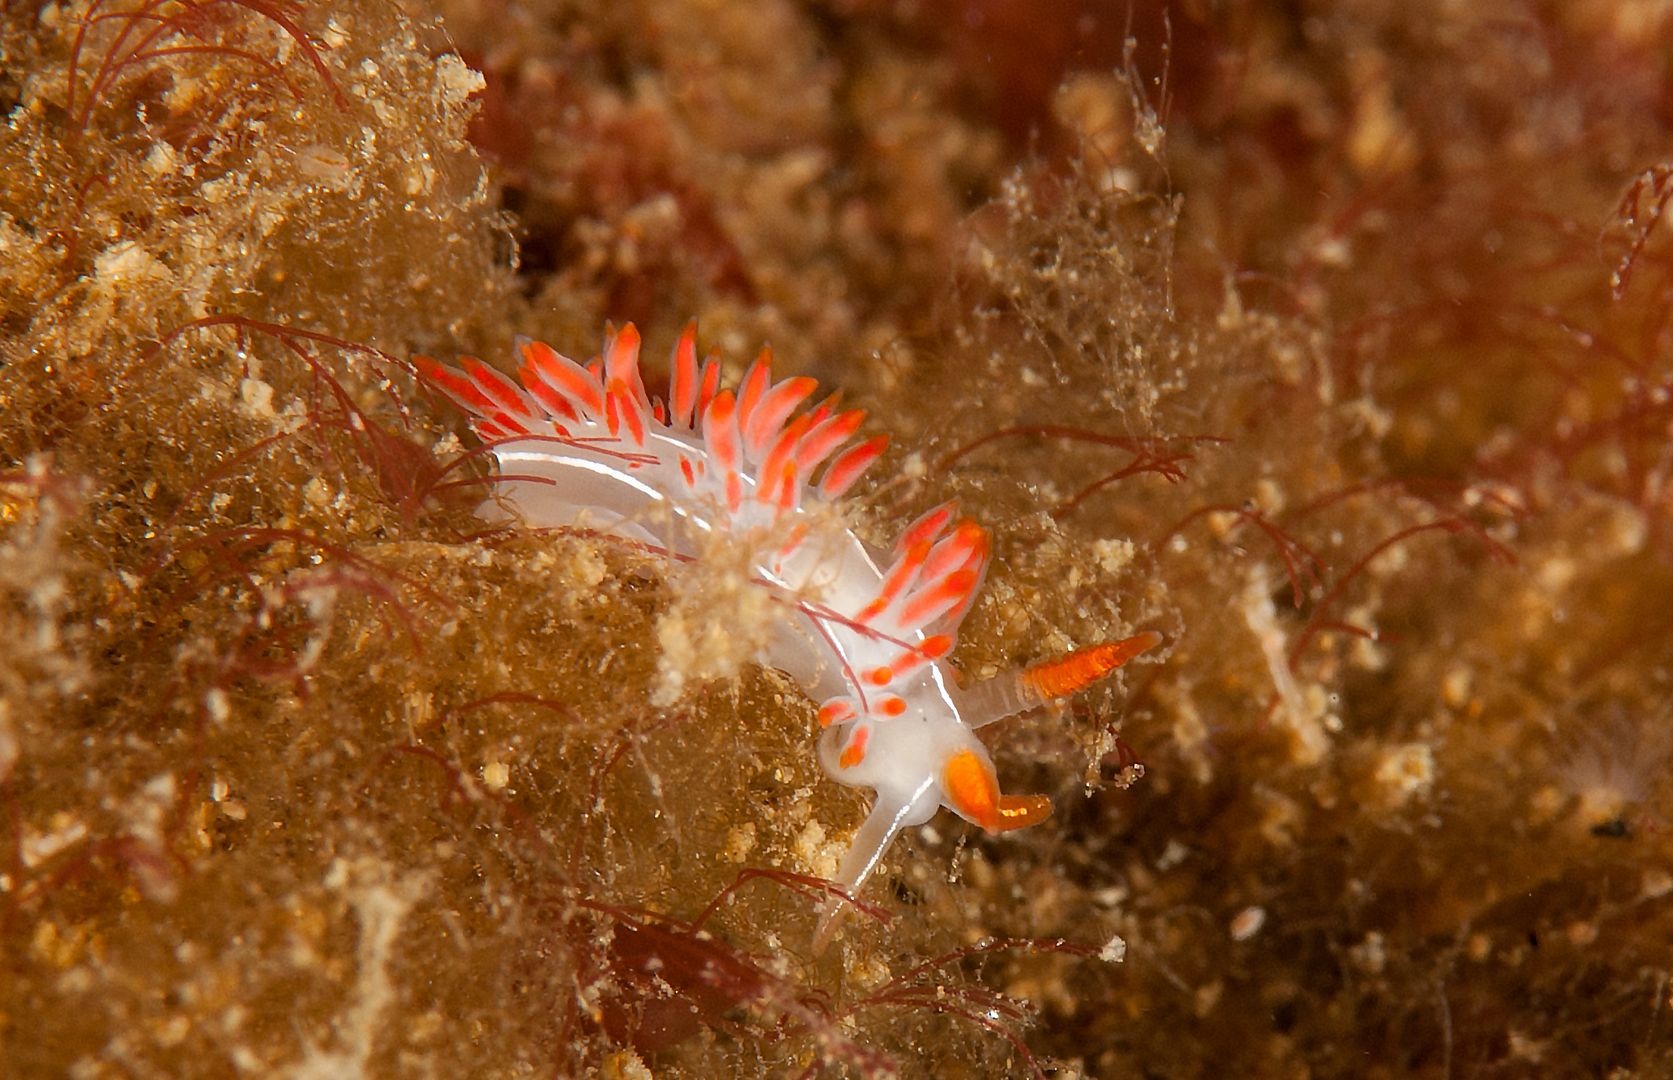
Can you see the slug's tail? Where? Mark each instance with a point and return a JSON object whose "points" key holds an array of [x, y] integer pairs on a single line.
{"points": [[882, 825], [969, 787]]}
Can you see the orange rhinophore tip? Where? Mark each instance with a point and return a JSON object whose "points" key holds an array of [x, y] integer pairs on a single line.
{"points": [[972, 789], [1021, 811], [1061, 677]]}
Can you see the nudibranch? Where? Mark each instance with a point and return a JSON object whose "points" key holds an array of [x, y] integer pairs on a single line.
{"points": [[869, 635]]}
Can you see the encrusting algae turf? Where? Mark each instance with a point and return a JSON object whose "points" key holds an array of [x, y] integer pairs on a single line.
{"points": [[1279, 402]]}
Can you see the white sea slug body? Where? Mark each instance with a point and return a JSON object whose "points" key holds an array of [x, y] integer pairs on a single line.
{"points": [[586, 444]]}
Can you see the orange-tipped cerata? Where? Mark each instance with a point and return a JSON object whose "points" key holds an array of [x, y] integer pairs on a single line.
{"points": [[1061, 677], [972, 789]]}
